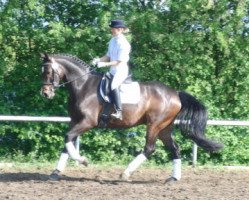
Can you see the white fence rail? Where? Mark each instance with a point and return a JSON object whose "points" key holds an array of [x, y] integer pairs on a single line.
{"points": [[34, 119], [67, 119]]}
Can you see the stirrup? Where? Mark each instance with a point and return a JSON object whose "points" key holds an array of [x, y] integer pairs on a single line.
{"points": [[117, 115]]}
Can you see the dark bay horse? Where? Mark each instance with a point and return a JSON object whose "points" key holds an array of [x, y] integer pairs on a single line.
{"points": [[158, 108]]}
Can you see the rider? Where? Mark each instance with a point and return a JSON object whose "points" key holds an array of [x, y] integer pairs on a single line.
{"points": [[116, 58]]}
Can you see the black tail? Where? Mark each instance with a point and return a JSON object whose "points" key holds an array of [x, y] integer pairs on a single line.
{"points": [[193, 120]]}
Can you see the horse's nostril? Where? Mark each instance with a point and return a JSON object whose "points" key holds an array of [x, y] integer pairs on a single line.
{"points": [[44, 93], [47, 94]]}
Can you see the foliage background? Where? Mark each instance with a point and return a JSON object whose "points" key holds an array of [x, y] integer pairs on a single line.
{"points": [[199, 46]]}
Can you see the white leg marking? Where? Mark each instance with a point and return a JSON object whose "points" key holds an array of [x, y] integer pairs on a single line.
{"points": [[62, 162], [177, 164], [74, 153], [135, 164]]}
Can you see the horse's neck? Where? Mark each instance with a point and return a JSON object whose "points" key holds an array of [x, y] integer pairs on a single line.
{"points": [[87, 87], [73, 72], [73, 76], [83, 81]]}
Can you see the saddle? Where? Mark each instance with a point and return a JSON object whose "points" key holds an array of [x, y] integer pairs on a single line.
{"points": [[104, 92], [105, 86]]}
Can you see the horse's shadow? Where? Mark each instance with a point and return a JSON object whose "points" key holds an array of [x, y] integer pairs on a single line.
{"points": [[38, 177], [21, 176]]}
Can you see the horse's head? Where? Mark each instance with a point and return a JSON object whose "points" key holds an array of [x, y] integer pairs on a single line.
{"points": [[51, 75]]}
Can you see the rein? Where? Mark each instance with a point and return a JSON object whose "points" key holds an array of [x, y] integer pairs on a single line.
{"points": [[63, 84]]}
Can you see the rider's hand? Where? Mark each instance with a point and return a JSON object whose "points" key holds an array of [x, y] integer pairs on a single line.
{"points": [[102, 64], [95, 61]]}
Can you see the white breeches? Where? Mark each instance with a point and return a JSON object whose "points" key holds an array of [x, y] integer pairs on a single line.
{"points": [[119, 77]]}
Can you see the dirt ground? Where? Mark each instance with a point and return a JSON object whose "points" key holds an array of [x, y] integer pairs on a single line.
{"points": [[103, 184]]}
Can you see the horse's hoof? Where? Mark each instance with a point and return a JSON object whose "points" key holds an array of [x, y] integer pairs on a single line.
{"points": [[170, 180], [84, 161], [125, 177], [54, 176]]}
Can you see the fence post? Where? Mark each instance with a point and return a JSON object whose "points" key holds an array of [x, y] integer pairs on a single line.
{"points": [[194, 154]]}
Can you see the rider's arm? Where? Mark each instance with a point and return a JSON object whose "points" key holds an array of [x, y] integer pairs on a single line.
{"points": [[112, 63], [105, 62], [105, 58]]}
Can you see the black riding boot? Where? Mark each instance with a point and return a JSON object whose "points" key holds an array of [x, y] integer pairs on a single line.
{"points": [[117, 104]]}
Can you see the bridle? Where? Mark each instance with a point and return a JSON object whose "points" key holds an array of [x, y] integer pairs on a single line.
{"points": [[56, 76]]}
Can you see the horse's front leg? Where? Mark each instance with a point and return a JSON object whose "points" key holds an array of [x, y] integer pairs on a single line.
{"points": [[70, 150], [72, 135], [73, 153], [60, 165]]}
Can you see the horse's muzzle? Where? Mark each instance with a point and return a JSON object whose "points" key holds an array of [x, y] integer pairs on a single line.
{"points": [[47, 91]]}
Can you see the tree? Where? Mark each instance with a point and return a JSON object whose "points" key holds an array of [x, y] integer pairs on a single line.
{"points": [[197, 46]]}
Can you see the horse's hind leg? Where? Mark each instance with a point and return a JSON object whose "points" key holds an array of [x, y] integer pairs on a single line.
{"points": [[148, 150], [166, 137]]}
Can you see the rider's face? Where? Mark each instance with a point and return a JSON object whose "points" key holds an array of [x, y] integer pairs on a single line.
{"points": [[116, 31]]}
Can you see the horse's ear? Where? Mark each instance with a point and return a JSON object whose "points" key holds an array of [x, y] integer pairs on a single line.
{"points": [[45, 57]]}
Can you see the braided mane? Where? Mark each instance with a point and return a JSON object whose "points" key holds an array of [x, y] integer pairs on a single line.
{"points": [[72, 59]]}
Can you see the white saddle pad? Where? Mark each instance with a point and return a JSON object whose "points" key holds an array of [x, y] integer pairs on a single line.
{"points": [[130, 93]]}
